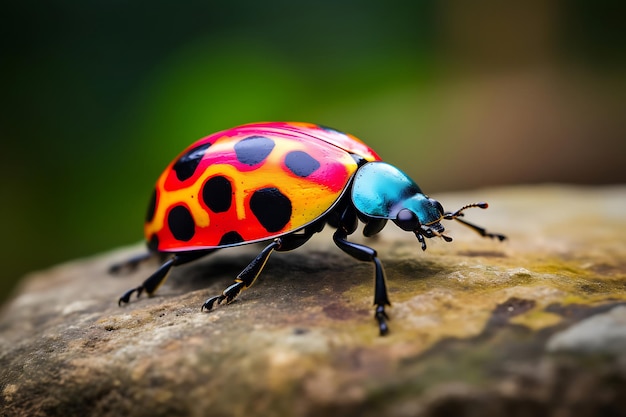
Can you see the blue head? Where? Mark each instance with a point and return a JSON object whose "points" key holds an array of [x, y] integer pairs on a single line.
{"points": [[383, 191]]}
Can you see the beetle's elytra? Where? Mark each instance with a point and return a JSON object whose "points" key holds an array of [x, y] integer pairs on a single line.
{"points": [[267, 181]]}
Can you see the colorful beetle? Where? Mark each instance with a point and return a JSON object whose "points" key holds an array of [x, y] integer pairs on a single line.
{"points": [[282, 182]]}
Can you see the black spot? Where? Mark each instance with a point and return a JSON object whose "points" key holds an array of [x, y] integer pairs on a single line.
{"points": [[230, 238], [271, 207], [217, 194], [153, 244], [151, 207], [187, 164], [181, 223], [301, 163], [253, 149]]}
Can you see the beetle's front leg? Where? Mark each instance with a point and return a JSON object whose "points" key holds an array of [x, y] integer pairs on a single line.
{"points": [[347, 225], [367, 254]]}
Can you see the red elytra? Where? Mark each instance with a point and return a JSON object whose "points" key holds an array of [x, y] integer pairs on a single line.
{"points": [[250, 183]]}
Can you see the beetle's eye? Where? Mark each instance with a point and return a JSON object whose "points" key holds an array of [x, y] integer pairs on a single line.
{"points": [[407, 220]]}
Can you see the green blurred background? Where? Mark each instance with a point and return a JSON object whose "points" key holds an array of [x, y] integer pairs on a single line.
{"points": [[98, 96]]}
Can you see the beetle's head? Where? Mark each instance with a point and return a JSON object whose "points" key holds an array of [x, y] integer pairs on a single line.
{"points": [[383, 191], [423, 217]]}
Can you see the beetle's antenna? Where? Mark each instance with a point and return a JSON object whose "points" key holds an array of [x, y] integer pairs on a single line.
{"points": [[459, 212], [480, 230]]}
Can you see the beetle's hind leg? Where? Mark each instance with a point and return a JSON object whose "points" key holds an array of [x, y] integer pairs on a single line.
{"points": [[155, 280]]}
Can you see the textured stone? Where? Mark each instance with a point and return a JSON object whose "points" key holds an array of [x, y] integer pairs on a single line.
{"points": [[531, 326], [602, 333]]}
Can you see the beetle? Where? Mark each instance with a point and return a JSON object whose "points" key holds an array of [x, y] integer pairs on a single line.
{"points": [[280, 183]]}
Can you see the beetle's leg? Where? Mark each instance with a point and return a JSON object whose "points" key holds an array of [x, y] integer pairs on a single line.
{"points": [[373, 226], [245, 278], [481, 230], [155, 280], [295, 240], [365, 253]]}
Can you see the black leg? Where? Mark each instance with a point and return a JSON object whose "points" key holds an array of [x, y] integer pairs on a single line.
{"points": [[245, 278], [367, 254], [248, 276], [295, 240], [373, 226], [155, 280]]}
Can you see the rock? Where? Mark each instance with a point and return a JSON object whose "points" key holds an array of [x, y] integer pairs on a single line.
{"points": [[602, 333], [531, 326]]}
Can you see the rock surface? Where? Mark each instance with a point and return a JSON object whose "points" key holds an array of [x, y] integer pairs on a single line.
{"points": [[535, 325]]}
